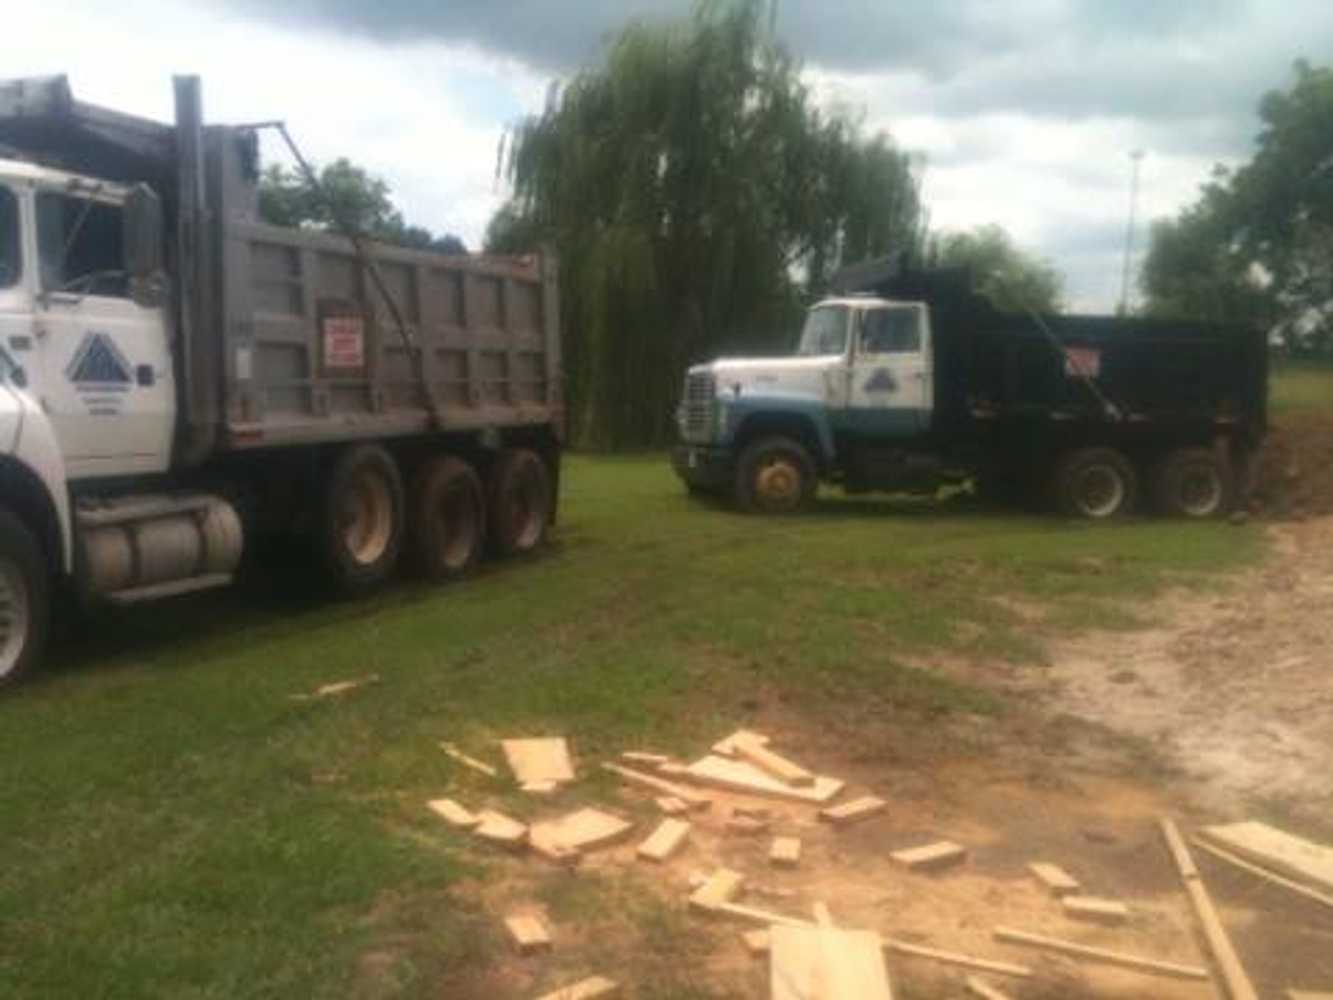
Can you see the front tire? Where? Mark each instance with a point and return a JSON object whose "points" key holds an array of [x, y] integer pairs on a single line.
{"points": [[775, 475], [361, 520], [1095, 483], [25, 600], [1192, 482]]}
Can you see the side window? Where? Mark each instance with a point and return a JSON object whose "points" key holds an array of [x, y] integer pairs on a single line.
{"points": [[11, 263], [81, 245], [891, 331]]}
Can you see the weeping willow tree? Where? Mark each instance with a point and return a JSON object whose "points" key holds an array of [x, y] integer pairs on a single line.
{"points": [[695, 193]]}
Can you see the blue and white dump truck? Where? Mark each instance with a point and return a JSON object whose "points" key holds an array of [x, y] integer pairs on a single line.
{"points": [[909, 380], [177, 378]]}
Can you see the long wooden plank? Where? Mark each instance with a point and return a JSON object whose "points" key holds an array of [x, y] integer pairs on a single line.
{"points": [[979, 987], [929, 857], [453, 814], [1282, 852], [786, 771], [1056, 880], [1219, 943], [1263, 873], [696, 800], [741, 776], [592, 988], [826, 963], [471, 762], [665, 841], [539, 761], [1102, 955]]}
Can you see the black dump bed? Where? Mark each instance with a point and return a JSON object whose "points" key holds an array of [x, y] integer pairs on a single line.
{"points": [[998, 366]]}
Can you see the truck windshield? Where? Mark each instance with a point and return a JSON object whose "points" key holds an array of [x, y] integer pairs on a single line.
{"points": [[9, 239], [825, 331]]}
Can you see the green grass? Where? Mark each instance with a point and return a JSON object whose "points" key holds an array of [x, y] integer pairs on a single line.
{"points": [[173, 824], [1301, 385]]}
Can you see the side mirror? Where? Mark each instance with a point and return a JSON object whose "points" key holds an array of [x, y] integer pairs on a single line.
{"points": [[143, 233]]}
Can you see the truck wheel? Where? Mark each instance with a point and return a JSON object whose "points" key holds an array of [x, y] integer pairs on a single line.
{"points": [[1095, 483], [1192, 482], [448, 518], [362, 519], [775, 475], [519, 502], [25, 599]]}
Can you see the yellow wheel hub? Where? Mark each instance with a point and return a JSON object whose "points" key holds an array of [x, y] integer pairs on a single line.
{"points": [[778, 482]]}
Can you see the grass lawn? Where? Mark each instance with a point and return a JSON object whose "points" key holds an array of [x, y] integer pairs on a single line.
{"points": [[1301, 385], [174, 824]]}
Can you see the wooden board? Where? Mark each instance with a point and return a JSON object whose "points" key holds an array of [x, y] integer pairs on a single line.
{"points": [[500, 829], [1307, 995], [582, 830], [1105, 911], [756, 942], [671, 805], [743, 777], [1264, 874], [1056, 880], [719, 888], [980, 988], [929, 857], [786, 771], [696, 800], [665, 841], [585, 989], [453, 814], [1117, 958], [471, 762], [826, 963], [1274, 849], [641, 757], [727, 747], [529, 933], [539, 761], [954, 958], [785, 852], [854, 811]]}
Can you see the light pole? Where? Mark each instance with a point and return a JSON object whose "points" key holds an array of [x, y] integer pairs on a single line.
{"points": [[1134, 156]]}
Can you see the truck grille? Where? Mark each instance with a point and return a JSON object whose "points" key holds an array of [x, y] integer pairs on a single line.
{"points": [[697, 407]]}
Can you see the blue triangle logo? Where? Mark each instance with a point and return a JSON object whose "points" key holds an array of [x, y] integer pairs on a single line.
{"points": [[98, 361]]}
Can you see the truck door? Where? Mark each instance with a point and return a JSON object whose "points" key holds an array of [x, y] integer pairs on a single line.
{"points": [[106, 377], [891, 387]]}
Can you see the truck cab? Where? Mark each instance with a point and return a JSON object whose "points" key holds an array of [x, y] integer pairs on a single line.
{"points": [[851, 404]]}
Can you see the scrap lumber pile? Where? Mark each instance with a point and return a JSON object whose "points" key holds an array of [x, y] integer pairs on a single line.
{"points": [[747, 790]]}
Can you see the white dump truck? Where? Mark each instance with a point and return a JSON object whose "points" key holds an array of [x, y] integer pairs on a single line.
{"points": [[177, 378]]}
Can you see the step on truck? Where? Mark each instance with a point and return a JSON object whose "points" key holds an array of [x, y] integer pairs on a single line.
{"points": [[178, 379], [909, 381]]}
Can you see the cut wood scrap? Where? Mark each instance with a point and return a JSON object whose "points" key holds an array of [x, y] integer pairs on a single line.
{"points": [[1056, 880], [539, 787], [786, 771], [826, 963], [1106, 911], [979, 987], [929, 857], [746, 825], [741, 776], [663, 842], [671, 805], [641, 757], [822, 915], [727, 747], [853, 811], [1263, 873], [539, 761], [337, 687], [583, 830], [585, 989], [500, 829], [1102, 955], [756, 942], [453, 814], [718, 890], [545, 840], [529, 933], [1274, 849], [1307, 995], [785, 852], [471, 762], [953, 958], [697, 800], [671, 768], [1238, 982]]}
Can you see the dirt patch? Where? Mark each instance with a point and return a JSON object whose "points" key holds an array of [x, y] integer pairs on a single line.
{"points": [[1294, 477]]}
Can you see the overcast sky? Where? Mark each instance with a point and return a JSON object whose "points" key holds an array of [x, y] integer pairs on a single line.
{"points": [[1025, 110]]}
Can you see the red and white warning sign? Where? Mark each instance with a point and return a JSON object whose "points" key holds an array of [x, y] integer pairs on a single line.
{"points": [[344, 342], [1083, 362]]}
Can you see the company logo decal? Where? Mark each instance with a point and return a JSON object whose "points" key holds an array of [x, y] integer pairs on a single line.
{"points": [[98, 364], [881, 381]]}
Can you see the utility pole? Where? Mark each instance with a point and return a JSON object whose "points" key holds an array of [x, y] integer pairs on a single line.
{"points": [[1134, 156]]}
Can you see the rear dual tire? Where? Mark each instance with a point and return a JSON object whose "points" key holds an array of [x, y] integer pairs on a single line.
{"points": [[1192, 483], [1096, 484]]}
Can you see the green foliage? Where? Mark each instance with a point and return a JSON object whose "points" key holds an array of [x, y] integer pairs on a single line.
{"points": [[1012, 279], [349, 198], [685, 183], [1258, 244]]}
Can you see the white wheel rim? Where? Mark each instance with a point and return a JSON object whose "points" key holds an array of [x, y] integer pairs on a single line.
{"points": [[1100, 490], [366, 518], [14, 616], [1200, 491]]}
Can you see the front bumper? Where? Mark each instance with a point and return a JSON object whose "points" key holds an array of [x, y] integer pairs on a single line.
{"points": [[703, 466]]}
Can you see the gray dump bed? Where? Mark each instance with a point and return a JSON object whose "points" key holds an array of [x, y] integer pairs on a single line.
{"points": [[288, 336]]}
